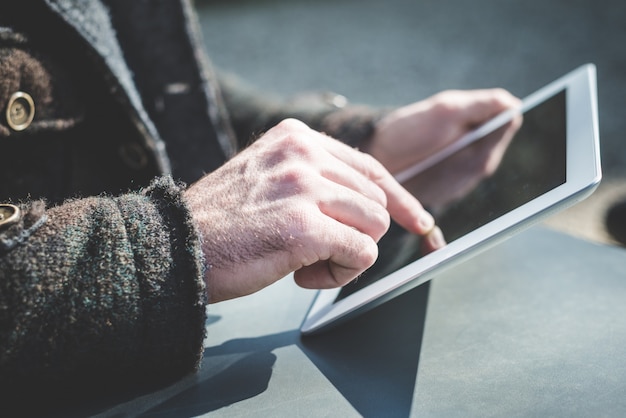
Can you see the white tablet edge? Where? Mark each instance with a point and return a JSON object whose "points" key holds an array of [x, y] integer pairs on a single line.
{"points": [[581, 181]]}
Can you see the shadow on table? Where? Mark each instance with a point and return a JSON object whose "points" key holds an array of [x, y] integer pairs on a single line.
{"points": [[234, 371], [372, 360], [222, 389]]}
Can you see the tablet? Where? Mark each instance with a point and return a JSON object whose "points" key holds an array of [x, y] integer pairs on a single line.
{"points": [[552, 162]]}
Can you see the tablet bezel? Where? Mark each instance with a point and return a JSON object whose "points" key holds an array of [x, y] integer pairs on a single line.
{"points": [[583, 174]]}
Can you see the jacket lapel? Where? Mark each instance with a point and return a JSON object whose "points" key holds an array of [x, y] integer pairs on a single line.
{"points": [[91, 21]]}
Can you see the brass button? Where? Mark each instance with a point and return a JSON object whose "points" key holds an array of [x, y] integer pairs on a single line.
{"points": [[9, 214], [20, 111]]}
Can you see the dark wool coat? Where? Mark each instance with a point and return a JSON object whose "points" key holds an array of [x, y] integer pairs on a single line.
{"points": [[100, 267]]}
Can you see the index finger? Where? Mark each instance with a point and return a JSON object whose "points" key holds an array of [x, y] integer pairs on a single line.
{"points": [[403, 207]]}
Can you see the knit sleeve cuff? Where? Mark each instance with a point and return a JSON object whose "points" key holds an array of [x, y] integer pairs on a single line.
{"points": [[168, 259]]}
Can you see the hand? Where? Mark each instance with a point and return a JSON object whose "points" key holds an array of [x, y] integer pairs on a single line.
{"points": [[296, 200], [412, 133]]}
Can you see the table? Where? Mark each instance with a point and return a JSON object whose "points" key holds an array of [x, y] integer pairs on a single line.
{"points": [[535, 326]]}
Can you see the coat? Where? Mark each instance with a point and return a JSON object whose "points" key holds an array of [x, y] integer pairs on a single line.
{"points": [[109, 109]]}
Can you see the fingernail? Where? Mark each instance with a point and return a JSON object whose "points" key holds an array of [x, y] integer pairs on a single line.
{"points": [[436, 238], [426, 222]]}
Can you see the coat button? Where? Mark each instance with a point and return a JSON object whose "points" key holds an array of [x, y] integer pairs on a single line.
{"points": [[20, 111], [9, 214]]}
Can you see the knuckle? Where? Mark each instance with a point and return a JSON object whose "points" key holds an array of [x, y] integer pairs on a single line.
{"points": [[368, 254], [383, 223], [375, 172], [377, 223], [294, 145], [372, 163], [445, 103], [291, 124], [289, 149], [500, 92], [502, 98], [372, 167], [290, 179]]}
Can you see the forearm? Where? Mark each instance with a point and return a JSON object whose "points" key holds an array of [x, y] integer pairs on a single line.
{"points": [[107, 287]]}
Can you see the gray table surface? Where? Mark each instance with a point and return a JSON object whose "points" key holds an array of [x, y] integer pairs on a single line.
{"points": [[535, 326]]}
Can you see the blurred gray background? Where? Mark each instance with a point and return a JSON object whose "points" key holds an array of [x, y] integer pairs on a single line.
{"points": [[394, 52]]}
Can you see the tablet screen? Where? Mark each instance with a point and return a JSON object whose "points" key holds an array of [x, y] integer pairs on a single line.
{"points": [[534, 163]]}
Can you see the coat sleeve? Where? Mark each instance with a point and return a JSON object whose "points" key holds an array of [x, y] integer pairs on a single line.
{"points": [[101, 291], [252, 112]]}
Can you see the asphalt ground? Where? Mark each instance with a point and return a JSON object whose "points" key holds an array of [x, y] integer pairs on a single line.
{"points": [[398, 51]]}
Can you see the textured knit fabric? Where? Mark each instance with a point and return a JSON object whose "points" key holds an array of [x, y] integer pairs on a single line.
{"points": [[101, 282], [105, 287]]}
